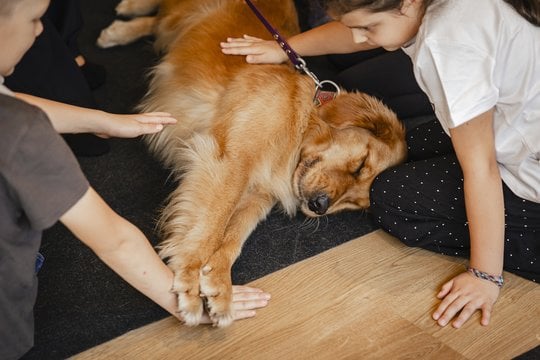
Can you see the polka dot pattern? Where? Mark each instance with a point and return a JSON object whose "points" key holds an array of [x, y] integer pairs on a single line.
{"points": [[421, 203]]}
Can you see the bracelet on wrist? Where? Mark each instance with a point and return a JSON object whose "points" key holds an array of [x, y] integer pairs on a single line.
{"points": [[496, 279]]}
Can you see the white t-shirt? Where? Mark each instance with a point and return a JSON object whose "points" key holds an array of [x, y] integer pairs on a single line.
{"points": [[472, 55]]}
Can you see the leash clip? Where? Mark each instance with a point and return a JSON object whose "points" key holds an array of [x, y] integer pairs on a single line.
{"points": [[321, 96]]}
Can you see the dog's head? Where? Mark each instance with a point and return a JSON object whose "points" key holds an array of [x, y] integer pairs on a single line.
{"points": [[357, 138]]}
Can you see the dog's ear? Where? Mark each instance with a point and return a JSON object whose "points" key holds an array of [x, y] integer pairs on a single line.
{"points": [[361, 110]]}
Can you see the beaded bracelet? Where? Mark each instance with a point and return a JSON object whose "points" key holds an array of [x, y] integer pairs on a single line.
{"points": [[496, 279]]}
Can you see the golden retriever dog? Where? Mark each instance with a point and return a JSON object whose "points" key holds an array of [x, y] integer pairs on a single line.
{"points": [[248, 137]]}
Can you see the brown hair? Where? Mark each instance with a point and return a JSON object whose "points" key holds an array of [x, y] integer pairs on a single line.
{"points": [[529, 9], [340, 7]]}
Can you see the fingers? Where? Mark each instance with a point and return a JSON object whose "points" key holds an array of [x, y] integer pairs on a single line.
{"points": [[244, 314], [461, 297], [486, 314], [247, 298], [157, 118], [464, 315], [246, 40], [148, 123], [247, 37], [149, 129], [448, 308], [445, 289], [245, 289], [240, 48], [257, 51]]}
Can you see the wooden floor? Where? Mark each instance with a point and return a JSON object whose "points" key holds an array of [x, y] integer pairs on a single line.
{"points": [[370, 298]]}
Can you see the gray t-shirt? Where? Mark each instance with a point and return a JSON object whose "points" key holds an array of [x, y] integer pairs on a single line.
{"points": [[40, 180]]}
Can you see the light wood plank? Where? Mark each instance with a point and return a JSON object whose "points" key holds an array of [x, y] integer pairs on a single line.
{"points": [[370, 298]]}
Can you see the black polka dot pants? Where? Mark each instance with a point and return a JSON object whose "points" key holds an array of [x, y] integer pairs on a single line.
{"points": [[421, 203]]}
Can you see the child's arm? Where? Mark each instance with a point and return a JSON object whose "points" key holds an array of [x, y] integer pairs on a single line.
{"points": [[74, 119], [125, 249], [475, 149], [330, 38]]}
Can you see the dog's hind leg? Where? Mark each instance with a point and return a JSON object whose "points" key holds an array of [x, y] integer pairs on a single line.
{"points": [[215, 277], [126, 32], [134, 8]]}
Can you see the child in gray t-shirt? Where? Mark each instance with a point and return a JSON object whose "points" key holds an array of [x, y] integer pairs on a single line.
{"points": [[41, 182]]}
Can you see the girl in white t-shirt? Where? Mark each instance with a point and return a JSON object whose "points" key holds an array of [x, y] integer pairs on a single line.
{"points": [[473, 187]]}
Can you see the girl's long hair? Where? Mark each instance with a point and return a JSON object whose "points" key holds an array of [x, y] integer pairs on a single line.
{"points": [[529, 9]]}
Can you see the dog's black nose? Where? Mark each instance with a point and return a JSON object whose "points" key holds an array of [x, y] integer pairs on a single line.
{"points": [[319, 204]]}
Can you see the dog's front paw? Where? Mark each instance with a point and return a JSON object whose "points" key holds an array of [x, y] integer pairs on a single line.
{"points": [[190, 303], [216, 287]]}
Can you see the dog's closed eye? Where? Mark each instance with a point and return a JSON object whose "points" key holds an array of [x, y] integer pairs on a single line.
{"points": [[358, 169]]}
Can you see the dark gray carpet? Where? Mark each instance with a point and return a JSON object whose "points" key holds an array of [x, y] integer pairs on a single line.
{"points": [[81, 303]]}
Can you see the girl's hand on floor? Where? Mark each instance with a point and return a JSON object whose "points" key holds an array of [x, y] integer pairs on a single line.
{"points": [[245, 300], [462, 296], [257, 51]]}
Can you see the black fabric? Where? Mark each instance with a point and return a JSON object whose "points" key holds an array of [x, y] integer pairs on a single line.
{"points": [[68, 21], [81, 303], [39, 181], [386, 75], [49, 70], [421, 203]]}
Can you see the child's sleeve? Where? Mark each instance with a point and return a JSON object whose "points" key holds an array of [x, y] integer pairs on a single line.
{"points": [[43, 174]]}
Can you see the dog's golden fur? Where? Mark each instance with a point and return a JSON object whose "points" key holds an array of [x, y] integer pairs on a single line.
{"points": [[248, 137]]}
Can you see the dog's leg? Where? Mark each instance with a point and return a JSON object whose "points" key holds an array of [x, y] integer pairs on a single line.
{"points": [[126, 32], [134, 8], [215, 277], [186, 286], [196, 218], [185, 247]]}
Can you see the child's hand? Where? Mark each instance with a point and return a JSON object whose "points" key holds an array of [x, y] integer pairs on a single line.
{"points": [[258, 51], [133, 125], [463, 295], [245, 300]]}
